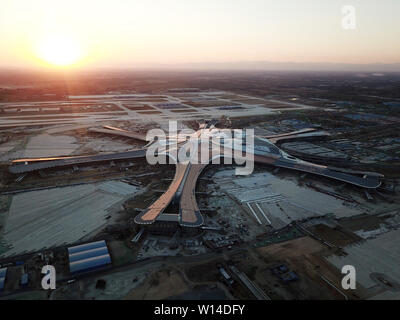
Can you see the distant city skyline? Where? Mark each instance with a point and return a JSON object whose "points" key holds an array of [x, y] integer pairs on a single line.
{"points": [[207, 34]]}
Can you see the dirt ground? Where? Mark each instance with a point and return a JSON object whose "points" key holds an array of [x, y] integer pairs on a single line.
{"points": [[297, 247], [160, 285], [336, 236], [304, 256], [205, 272]]}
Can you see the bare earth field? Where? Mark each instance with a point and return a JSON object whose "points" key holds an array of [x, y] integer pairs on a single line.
{"points": [[54, 217]]}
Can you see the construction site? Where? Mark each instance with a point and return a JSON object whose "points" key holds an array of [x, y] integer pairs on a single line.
{"points": [[77, 192]]}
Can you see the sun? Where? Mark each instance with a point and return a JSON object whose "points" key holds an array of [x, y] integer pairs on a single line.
{"points": [[59, 51]]}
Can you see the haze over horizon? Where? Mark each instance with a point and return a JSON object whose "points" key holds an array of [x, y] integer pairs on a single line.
{"points": [[220, 34]]}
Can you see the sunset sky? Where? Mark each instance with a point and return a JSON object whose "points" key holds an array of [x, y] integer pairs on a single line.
{"points": [[131, 33]]}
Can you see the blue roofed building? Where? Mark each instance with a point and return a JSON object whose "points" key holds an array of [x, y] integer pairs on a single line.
{"points": [[81, 255], [88, 257], [24, 280], [3, 274], [87, 246]]}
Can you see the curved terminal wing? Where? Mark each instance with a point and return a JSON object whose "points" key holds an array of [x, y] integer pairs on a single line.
{"points": [[189, 213], [149, 215], [119, 132], [369, 182], [45, 163]]}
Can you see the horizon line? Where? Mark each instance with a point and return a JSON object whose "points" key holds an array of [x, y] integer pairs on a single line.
{"points": [[256, 65]]}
